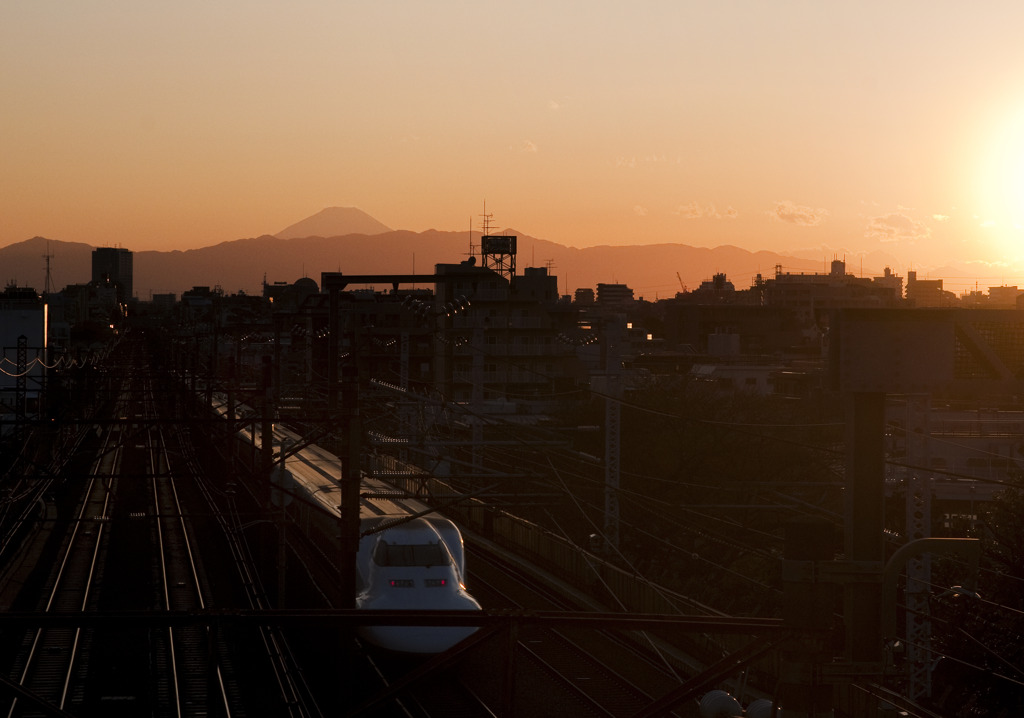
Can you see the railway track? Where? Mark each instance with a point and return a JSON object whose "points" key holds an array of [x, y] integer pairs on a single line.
{"points": [[588, 672], [129, 546], [297, 699], [190, 673], [24, 497], [53, 662], [121, 540], [443, 694], [578, 672], [556, 672]]}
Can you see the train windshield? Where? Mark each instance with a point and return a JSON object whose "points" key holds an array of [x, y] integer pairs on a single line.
{"points": [[428, 554]]}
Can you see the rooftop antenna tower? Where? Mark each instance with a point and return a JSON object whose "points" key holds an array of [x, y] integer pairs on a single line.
{"points": [[47, 257], [486, 220], [472, 247], [497, 251]]}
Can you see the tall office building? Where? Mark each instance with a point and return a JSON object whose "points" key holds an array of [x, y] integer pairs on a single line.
{"points": [[113, 264]]}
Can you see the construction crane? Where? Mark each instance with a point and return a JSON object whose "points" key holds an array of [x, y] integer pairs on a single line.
{"points": [[681, 285]]}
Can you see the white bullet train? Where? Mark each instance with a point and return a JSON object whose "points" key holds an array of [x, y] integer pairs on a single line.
{"points": [[417, 564]]}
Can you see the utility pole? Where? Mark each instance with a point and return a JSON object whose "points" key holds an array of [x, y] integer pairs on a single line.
{"points": [[266, 455], [211, 373], [333, 339], [351, 433], [404, 410], [864, 521], [232, 389], [351, 478], [877, 352], [48, 285], [808, 610], [277, 319], [477, 398], [612, 428], [351, 440], [266, 432], [20, 391], [282, 500], [919, 523]]}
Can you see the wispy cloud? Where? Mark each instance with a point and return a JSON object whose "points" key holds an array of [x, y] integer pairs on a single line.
{"points": [[640, 211], [940, 217], [896, 227], [554, 106], [527, 146], [632, 161], [987, 264], [786, 211], [696, 210]]}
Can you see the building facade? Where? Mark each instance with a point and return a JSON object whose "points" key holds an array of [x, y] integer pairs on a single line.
{"points": [[113, 265]]}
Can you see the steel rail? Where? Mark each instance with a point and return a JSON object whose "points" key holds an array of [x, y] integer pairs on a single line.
{"points": [[295, 694], [179, 521], [111, 455]]}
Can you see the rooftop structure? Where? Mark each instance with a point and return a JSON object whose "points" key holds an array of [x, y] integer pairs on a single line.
{"points": [[114, 265], [927, 292], [614, 295], [814, 292]]}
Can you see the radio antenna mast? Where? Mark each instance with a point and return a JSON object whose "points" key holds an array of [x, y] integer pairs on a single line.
{"points": [[47, 257], [486, 224]]}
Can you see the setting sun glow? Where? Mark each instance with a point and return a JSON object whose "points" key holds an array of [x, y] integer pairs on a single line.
{"points": [[811, 128], [1000, 190]]}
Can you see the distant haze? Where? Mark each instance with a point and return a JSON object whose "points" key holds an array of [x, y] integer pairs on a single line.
{"points": [[859, 128], [351, 241]]}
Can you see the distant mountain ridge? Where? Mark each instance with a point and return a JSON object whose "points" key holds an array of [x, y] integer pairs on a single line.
{"points": [[243, 264], [334, 222]]}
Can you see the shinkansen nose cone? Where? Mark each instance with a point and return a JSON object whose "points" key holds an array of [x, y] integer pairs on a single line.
{"points": [[411, 568]]}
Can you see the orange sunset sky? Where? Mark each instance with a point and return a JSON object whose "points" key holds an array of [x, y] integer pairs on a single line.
{"points": [[847, 127]]}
